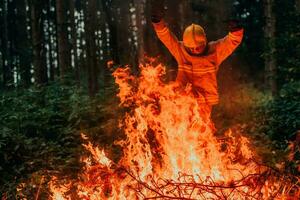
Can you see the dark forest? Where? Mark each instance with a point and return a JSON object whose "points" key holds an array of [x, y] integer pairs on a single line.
{"points": [[60, 62]]}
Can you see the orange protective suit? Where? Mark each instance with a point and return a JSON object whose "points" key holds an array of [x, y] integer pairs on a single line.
{"points": [[199, 71]]}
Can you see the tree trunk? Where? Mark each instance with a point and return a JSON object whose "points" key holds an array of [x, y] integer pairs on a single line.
{"points": [[297, 4], [23, 43], [122, 18], [150, 45], [1, 44], [7, 65], [82, 44], [133, 35], [107, 9], [50, 40], [270, 59], [184, 13], [12, 36], [64, 56], [140, 6], [74, 40], [103, 48], [90, 29], [39, 53]]}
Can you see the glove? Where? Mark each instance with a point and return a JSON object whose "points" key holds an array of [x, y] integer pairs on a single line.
{"points": [[234, 25], [157, 10]]}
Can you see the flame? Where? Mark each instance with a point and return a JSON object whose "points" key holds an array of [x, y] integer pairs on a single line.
{"points": [[58, 191], [171, 152], [98, 155]]}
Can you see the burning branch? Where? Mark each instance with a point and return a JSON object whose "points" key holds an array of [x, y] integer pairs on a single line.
{"points": [[102, 176], [186, 186], [171, 152]]}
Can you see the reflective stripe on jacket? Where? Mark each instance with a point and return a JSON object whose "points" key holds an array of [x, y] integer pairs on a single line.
{"points": [[199, 71]]}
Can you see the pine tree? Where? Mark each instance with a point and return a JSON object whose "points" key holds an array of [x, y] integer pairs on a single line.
{"points": [[39, 52], [90, 29], [107, 6], [74, 40], [64, 55], [270, 59], [23, 47], [7, 64]]}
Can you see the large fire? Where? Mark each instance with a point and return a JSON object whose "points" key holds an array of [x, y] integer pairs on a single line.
{"points": [[171, 152]]}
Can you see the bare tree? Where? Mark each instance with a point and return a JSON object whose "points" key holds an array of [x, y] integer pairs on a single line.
{"points": [[270, 59], [39, 53], [1, 45], [64, 56], [140, 7], [122, 17], [297, 4], [23, 43], [7, 65], [74, 40], [51, 38], [108, 9], [90, 29], [81, 40]]}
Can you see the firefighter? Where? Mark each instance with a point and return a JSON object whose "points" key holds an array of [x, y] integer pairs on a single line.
{"points": [[198, 60]]}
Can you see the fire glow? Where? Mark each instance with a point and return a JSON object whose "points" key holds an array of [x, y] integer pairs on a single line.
{"points": [[170, 152]]}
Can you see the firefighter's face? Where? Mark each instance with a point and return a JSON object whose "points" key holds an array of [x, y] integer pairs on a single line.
{"points": [[196, 50]]}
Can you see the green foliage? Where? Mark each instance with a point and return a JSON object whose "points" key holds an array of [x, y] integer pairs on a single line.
{"points": [[279, 118], [33, 135], [237, 106], [271, 123], [40, 132], [287, 41], [275, 125]]}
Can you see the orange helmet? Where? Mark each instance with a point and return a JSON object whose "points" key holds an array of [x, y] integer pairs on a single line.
{"points": [[194, 36]]}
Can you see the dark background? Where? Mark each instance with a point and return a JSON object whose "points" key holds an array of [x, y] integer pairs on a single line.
{"points": [[55, 83]]}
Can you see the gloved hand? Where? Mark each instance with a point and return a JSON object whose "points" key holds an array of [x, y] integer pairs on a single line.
{"points": [[157, 10], [234, 25]]}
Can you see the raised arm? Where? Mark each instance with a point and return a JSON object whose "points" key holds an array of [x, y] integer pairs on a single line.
{"points": [[226, 45], [161, 29], [167, 38]]}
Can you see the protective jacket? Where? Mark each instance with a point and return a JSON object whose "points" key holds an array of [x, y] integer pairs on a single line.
{"points": [[199, 71]]}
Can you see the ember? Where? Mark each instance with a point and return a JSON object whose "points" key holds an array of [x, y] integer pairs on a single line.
{"points": [[171, 152]]}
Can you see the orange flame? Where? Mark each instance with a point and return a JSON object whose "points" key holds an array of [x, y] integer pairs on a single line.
{"points": [[171, 151]]}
